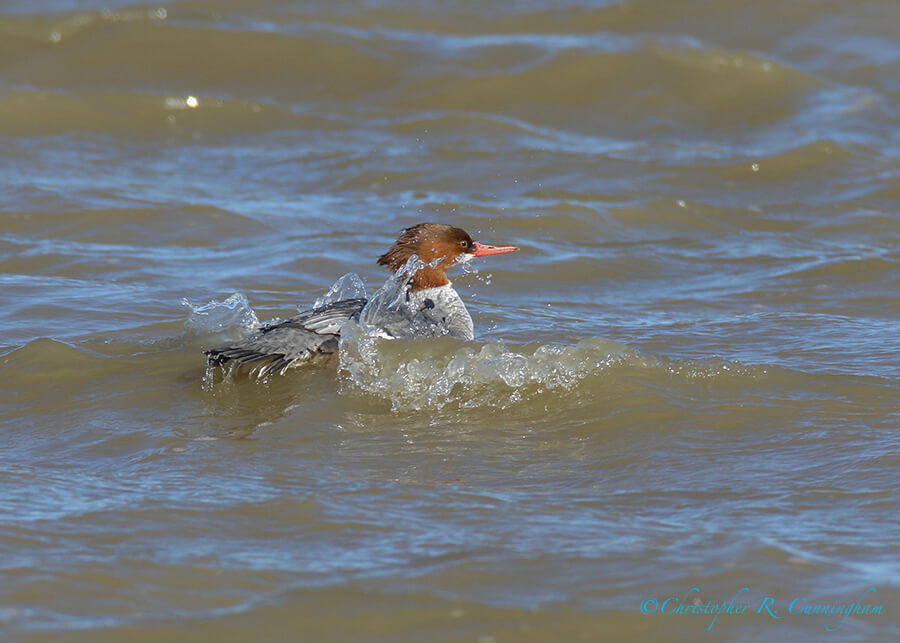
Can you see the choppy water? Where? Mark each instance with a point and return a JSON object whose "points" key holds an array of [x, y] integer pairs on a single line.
{"points": [[687, 378]]}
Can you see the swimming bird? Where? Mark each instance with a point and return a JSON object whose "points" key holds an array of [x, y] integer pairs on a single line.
{"points": [[431, 307]]}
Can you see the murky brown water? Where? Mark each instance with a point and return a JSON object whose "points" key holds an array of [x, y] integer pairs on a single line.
{"points": [[688, 378]]}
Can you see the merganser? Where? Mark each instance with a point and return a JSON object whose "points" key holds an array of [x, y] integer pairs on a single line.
{"points": [[433, 308]]}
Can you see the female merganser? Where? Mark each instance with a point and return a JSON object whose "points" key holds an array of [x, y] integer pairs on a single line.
{"points": [[432, 307]]}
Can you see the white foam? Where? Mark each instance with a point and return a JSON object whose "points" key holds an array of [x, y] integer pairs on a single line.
{"points": [[434, 374]]}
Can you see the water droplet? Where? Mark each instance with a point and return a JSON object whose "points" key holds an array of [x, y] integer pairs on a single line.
{"points": [[192, 102], [681, 204], [55, 36], [755, 167]]}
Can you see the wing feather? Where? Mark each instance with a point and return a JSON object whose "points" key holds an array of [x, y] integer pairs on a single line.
{"points": [[297, 340]]}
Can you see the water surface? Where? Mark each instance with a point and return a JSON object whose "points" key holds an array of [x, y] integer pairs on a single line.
{"points": [[687, 378]]}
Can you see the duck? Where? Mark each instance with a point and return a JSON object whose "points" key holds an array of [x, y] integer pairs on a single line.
{"points": [[429, 306]]}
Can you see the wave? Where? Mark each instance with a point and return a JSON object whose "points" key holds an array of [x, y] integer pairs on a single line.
{"points": [[445, 373], [95, 69], [151, 114]]}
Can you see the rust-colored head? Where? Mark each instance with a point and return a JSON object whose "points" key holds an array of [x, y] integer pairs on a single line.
{"points": [[433, 241]]}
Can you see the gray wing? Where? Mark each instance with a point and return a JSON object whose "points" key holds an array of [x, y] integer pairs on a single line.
{"points": [[276, 347]]}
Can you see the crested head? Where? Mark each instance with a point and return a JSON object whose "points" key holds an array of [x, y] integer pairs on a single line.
{"points": [[440, 246], [433, 243]]}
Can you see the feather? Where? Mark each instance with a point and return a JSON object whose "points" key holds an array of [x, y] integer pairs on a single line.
{"points": [[301, 338]]}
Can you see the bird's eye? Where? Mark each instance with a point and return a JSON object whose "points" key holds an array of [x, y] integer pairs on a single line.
{"points": [[464, 243]]}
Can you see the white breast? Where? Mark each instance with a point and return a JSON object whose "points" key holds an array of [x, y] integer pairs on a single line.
{"points": [[442, 309]]}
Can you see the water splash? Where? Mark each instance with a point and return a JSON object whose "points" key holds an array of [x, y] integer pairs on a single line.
{"points": [[445, 373], [388, 313], [350, 286], [219, 316], [388, 301], [232, 317], [380, 356], [436, 374]]}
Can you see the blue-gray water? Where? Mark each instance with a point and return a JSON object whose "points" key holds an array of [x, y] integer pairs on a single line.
{"points": [[688, 377]]}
